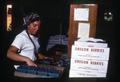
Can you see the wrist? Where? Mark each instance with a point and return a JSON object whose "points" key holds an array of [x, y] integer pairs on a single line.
{"points": [[26, 59]]}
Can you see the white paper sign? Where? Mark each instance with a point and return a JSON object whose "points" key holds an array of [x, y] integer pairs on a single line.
{"points": [[89, 59], [83, 30], [91, 66], [90, 52], [81, 14], [90, 44], [83, 74]]}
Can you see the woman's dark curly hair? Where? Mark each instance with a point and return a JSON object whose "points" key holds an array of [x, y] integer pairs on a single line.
{"points": [[31, 18]]}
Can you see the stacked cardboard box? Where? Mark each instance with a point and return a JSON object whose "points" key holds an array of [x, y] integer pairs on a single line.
{"points": [[89, 58]]}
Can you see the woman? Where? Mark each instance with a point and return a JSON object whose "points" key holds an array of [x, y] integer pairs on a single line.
{"points": [[25, 46]]}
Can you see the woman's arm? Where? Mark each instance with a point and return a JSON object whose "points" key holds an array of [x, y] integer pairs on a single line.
{"points": [[13, 55]]}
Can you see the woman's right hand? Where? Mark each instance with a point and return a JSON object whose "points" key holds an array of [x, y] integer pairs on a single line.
{"points": [[29, 62]]}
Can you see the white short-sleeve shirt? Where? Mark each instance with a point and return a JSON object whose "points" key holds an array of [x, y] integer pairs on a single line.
{"points": [[24, 44]]}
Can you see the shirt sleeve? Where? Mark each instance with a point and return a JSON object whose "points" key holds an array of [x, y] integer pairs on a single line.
{"points": [[18, 42]]}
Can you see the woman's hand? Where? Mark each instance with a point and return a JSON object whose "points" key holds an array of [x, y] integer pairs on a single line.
{"points": [[29, 62], [41, 56]]}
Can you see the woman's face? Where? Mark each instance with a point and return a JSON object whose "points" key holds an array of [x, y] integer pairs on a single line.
{"points": [[34, 27]]}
